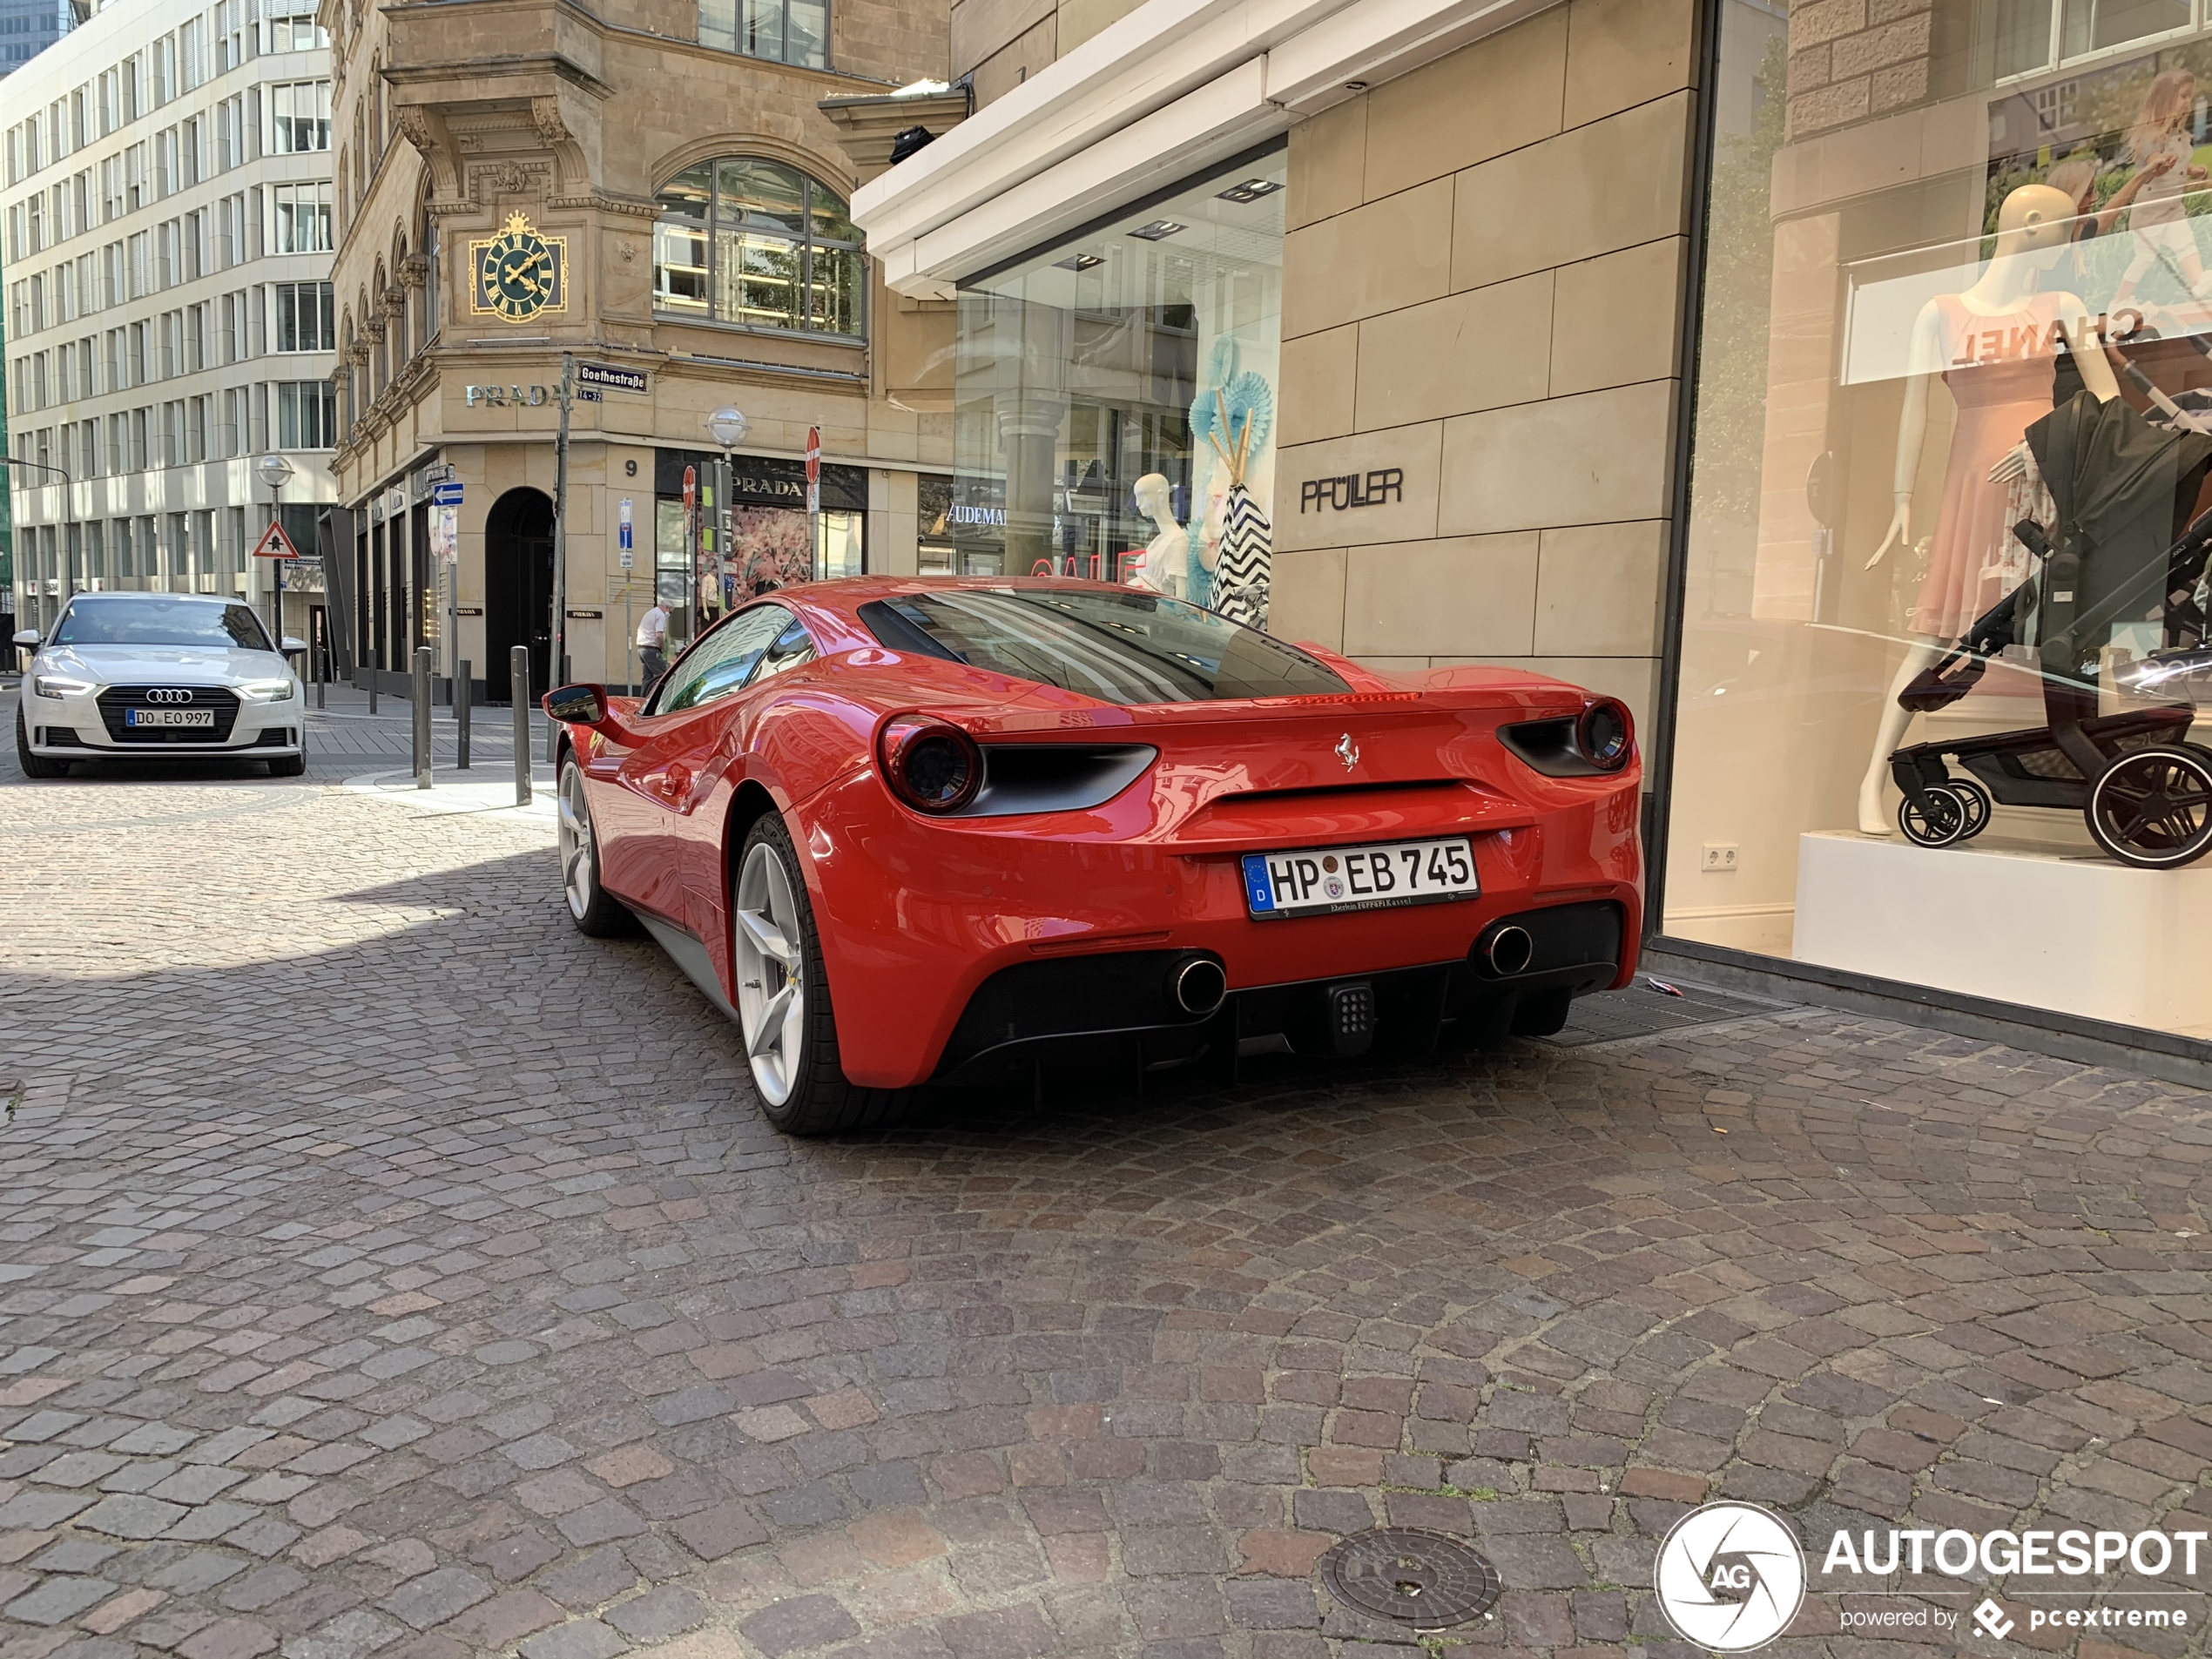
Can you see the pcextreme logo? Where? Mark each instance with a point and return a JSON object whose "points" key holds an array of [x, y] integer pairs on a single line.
{"points": [[1730, 1577]]}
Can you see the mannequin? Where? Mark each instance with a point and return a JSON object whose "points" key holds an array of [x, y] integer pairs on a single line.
{"points": [[1167, 560], [1994, 344]]}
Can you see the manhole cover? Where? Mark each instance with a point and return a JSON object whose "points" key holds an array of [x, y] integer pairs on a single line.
{"points": [[1417, 1578]]}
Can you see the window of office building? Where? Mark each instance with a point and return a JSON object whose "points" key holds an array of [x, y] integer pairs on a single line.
{"points": [[304, 318], [754, 242], [292, 29], [790, 31], [1115, 395], [299, 219], [299, 117], [305, 416], [1944, 630]]}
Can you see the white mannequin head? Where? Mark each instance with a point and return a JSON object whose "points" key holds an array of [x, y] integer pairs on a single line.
{"points": [[2034, 224], [1156, 498]]}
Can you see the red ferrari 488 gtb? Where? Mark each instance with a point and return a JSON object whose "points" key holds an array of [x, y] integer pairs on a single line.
{"points": [[956, 830]]}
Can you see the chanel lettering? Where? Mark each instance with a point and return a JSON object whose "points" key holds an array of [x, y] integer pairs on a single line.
{"points": [[1353, 489]]}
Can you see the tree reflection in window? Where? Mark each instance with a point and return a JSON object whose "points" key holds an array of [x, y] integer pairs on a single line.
{"points": [[756, 243]]}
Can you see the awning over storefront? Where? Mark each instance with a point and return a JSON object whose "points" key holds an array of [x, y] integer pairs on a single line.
{"points": [[1173, 88]]}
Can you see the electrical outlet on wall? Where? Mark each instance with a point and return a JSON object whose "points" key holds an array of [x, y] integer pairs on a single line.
{"points": [[1720, 855]]}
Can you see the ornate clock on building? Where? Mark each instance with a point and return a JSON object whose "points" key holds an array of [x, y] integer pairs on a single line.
{"points": [[519, 273]]}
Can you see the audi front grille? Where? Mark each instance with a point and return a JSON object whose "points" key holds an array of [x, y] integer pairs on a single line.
{"points": [[117, 699]]}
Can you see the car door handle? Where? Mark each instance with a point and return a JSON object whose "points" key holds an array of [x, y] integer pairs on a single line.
{"points": [[676, 782]]}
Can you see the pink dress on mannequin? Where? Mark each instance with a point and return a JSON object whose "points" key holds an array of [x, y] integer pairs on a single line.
{"points": [[1998, 365]]}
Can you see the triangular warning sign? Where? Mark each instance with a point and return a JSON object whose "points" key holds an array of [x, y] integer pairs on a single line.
{"points": [[274, 543]]}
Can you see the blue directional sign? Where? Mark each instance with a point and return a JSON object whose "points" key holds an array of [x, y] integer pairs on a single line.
{"points": [[447, 493]]}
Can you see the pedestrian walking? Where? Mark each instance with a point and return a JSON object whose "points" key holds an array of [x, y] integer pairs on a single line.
{"points": [[652, 645]]}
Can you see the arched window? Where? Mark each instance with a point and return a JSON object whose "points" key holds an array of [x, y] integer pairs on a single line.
{"points": [[350, 384], [756, 243], [398, 305], [430, 294]]}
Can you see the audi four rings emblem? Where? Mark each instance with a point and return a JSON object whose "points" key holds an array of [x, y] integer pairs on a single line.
{"points": [[169, 694]]}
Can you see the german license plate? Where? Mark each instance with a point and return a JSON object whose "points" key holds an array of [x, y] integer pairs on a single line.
{"points": [[169, 717], [1322, 880]]}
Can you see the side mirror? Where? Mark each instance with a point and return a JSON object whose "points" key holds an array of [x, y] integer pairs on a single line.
{"points": [[577, 705], [28, 639], [293, 647]]}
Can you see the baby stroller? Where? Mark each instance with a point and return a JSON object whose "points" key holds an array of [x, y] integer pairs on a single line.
{"points": [[2120, 484]]}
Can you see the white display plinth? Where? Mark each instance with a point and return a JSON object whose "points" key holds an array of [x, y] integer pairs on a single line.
{"points": [[2069, 931]]}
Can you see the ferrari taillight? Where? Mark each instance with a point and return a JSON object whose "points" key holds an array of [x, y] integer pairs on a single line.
{"points": [[1605, 734], [931, 766]]}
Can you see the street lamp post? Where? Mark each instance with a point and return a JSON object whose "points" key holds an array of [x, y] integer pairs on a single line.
{"points": [[728, 426], [276, 473], [69, 576]]}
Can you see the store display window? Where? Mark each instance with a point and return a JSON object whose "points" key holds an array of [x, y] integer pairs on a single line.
{"points": [[1116, 399], [768, 545], [1944, 633]]}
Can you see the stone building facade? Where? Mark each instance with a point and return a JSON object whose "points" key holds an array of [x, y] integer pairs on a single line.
{"points": [[596, 157]]}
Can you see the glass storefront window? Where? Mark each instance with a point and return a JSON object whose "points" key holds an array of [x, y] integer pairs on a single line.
{"points": [[768, 542], [1111, 388], [1944, 623]]}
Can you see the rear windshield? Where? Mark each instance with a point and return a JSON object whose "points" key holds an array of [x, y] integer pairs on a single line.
{"points": [[154, 621], [1118, 647]]}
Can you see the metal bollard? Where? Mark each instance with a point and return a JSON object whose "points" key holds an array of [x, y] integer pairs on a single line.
{"points": [[422, 716], [464, 696], [376, 673], [518, 680]]}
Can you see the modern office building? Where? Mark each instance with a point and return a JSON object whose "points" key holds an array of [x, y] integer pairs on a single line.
{"points": [[660, 195], [165, 211], [28, 27]]}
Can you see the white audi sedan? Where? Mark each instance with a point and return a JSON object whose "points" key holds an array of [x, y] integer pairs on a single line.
{"points": [[157, 676]]}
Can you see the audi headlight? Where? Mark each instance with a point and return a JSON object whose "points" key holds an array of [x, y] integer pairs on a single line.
{"points": [[58, 685], [271, 691]]}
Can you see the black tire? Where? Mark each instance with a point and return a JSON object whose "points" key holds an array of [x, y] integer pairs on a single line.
{"points": [[2152, 809], [288, 767], [818, 1101], [597, 912], [1977, 804], [1944, 822], [34, 765]]}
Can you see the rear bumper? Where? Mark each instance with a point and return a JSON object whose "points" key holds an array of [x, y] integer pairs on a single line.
{"points": [[1109, 1012], [915, 920]]}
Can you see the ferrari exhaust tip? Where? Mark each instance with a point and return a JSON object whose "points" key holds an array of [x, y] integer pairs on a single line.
{"points": [[1198, 985], [1508, 950]]}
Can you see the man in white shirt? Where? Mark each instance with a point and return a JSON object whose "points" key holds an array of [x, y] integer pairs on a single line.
{"points": [[652, 644]]}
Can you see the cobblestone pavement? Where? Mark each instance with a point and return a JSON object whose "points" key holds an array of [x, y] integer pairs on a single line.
{"points": [[389, 1271]]}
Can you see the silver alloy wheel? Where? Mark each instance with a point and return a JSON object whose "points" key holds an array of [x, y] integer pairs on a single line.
{"points": [[771, 983], [575, 841]]}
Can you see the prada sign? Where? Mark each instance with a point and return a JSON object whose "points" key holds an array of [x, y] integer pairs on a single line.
{"points": [[1352, 490], [510, 397]]}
